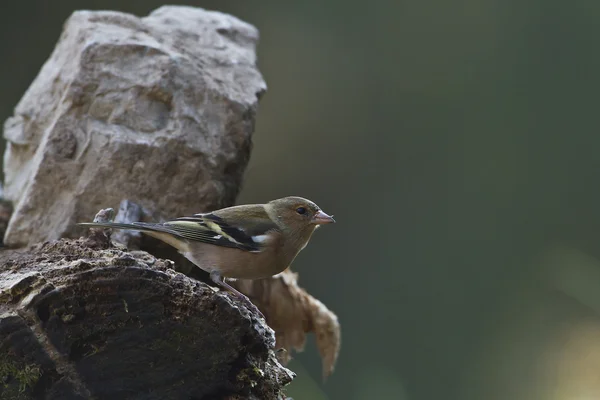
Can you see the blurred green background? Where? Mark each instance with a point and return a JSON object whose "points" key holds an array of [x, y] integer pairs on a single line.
{"points": [[457, 145]]}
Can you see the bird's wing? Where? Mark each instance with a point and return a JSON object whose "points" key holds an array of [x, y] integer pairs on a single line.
{"points": [[246, 231]]}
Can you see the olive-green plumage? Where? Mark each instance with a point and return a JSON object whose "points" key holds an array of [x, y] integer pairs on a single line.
{"points": [[247, 241]]}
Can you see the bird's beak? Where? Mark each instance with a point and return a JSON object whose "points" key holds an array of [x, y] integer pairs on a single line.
{"points": [[321, 218]]}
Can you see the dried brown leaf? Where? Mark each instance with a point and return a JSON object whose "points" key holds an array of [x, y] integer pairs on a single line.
{"points": [[293, 313]]}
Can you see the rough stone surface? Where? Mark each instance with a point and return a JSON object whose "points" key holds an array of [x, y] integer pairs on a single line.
{"points": [[159, 110], [80, 319]]}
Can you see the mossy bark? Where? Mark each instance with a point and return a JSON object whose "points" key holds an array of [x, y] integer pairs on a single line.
{"points": [[80, 319]]}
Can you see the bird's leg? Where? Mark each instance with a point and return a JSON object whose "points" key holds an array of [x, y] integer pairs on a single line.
{"points": [[218, 279]]}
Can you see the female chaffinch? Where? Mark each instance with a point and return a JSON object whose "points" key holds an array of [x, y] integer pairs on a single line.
{"points": [[250, 241]]}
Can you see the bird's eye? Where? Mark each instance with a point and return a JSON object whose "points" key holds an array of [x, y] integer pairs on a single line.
{"points": [[301, 210]]}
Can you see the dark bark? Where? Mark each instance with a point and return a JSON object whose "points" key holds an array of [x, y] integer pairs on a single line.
{"points": [[80, 319]]}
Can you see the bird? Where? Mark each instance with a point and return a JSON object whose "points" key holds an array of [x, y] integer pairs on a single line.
{"points": [[250, 241]]}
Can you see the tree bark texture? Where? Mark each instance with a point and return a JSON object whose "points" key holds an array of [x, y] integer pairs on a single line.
{"points": [[81, 319]]}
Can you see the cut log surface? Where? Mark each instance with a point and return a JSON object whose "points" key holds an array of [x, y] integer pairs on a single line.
{"points": [[81, 319]]}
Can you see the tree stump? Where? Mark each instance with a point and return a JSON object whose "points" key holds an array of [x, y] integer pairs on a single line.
{"points": [[82, 319]]}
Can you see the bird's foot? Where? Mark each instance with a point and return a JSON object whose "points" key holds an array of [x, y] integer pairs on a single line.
{"points": [[218, 279], [250, 305]]}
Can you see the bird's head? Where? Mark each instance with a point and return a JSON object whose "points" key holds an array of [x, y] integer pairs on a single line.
{"points": [[299, 212]]}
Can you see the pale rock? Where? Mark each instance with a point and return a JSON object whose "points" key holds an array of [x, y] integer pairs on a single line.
{"points": [[158, 110]]}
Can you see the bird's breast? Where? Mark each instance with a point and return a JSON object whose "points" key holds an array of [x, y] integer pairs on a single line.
{"points": [[236, 263]]}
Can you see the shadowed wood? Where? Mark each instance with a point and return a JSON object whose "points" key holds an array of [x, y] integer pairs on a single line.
{"points": [[82, 319]]}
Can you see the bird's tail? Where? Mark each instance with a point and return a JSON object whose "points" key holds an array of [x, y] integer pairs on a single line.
{"points": [[158, 231], [136, 226]]}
